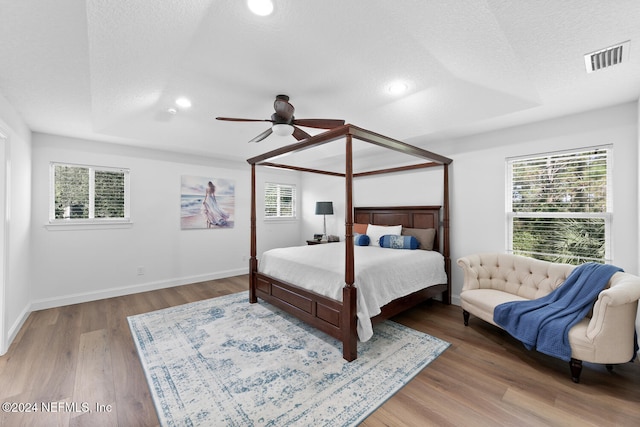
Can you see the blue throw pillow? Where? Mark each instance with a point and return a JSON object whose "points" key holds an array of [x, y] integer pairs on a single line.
{"points": [[360, 239], [399, 242]]}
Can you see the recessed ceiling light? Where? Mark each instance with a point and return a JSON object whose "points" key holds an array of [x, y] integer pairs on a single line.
{"points": [[183, 102], [397, 88], [172, 110], [260, 7]]}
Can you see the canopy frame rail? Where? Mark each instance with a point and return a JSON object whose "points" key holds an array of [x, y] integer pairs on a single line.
{"points": [[347, 309]]}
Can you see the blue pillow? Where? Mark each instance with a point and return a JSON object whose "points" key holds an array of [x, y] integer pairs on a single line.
{"points": [[360, 239], [399, 242]]}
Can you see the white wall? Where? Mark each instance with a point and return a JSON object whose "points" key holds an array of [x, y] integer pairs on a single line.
{"points": [[419, 188], [75, 265], [637, 235], [15, 220], [276, 233], [478, 205], [477, 182], [80, 265], [321, 188]]}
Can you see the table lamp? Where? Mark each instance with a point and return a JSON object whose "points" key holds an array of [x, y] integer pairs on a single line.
{"points": [[324, 208]]}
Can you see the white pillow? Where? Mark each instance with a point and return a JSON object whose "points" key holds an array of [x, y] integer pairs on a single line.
{"points": [[375, 232]]}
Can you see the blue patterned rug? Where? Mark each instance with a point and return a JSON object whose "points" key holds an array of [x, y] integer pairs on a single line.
{"points": [[225, 362]]}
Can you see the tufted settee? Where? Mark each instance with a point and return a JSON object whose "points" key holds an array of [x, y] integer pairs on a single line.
{"points": [[605, 336]]}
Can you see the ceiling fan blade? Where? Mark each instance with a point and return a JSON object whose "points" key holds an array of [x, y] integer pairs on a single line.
{"points": [[319, 123], [262, 136], [232, 119], [283, 108], [300, 134]]}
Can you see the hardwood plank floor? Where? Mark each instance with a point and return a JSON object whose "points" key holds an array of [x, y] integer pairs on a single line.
{"points": [[67, 356]]}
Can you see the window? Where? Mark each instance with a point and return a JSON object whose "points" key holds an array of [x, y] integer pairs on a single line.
{"points": [[279, 200], [88, 194], [559, 207]]}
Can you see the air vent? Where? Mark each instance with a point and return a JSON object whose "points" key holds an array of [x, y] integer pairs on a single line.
{"points": [[608, 57]]}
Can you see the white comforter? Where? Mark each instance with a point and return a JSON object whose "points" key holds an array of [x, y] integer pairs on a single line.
{"points": [[381, 274]]}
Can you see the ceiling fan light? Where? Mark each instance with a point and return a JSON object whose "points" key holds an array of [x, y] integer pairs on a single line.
{"points": [[282, 129]]}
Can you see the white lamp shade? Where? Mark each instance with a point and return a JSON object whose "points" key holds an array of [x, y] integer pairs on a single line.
{"points": [[282, 129]]}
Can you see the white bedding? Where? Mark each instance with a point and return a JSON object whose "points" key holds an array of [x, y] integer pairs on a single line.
{"points": [[381, 274]]}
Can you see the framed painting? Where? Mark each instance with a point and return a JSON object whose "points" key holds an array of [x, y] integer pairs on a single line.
{"points": [[206, 203]]}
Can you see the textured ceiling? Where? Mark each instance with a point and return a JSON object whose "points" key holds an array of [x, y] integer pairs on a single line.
{"points": [[108, 70]]}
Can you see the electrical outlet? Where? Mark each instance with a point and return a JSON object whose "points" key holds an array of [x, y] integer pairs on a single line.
{"points": [[140, 270]]}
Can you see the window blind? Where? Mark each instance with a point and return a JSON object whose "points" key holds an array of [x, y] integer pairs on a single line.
{"points": [[279, 201], [559, 208], [109, 194], [71, 192], [88, 192]]}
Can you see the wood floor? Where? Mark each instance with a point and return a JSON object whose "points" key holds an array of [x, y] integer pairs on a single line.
{"points": [[82, 357]]}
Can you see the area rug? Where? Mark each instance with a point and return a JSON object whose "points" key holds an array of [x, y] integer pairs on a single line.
{"points": [[225, 362]]}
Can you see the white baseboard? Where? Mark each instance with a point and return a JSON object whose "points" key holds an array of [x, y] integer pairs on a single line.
{"points": [[14, 329], [455, 300], [60, 301]]}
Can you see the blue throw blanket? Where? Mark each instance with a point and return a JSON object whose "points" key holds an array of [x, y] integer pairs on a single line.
{"points": [[544, 323]]}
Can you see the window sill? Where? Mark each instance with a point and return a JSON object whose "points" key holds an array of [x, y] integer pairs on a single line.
{"points": [[281, 219], [88, 225]]}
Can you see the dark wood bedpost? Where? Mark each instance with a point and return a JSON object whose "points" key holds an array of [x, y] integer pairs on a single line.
{"points": [[446, 296], [349, 292], [253, 260]]}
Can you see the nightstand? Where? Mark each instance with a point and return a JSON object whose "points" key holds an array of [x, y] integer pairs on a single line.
{"points": [[316, 242], [320, 242]]}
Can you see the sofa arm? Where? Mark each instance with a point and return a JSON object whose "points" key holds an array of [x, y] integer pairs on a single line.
{"points": [[470, 273], [616, 307]]}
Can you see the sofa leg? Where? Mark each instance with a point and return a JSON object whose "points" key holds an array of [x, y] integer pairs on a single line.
{"points": [[576, 368], [609, 367], [465, 315]]}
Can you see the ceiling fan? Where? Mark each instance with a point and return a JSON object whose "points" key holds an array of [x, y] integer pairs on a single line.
{"points": [[284, 123]]}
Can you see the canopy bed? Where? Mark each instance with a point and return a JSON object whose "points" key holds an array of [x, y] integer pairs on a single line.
{"points": [[337, 315]]}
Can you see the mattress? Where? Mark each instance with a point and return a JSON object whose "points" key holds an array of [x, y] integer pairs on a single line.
{"points": [[381, 274]]}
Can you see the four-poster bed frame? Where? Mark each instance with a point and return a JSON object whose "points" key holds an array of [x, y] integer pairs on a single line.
{"points": [[338, 318]]}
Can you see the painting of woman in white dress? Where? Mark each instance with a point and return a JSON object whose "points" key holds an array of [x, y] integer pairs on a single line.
{"points": [[215, 215], [207, 203]]}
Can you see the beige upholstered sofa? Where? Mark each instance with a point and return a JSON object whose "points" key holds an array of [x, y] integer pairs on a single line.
{"points": [[605, 336]]}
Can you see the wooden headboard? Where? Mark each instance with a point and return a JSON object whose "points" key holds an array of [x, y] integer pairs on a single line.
{"points": [[407, 216]]}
